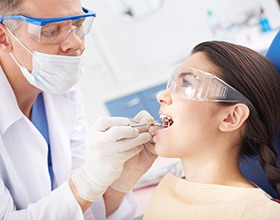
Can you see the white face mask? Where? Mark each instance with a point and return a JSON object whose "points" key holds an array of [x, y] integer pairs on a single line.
{"points": [[53, 73]]}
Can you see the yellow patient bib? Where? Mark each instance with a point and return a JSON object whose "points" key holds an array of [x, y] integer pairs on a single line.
{"points": [[176, 198]]}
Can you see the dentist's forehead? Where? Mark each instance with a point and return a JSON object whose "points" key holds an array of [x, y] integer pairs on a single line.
{"points": [[51, 8]]}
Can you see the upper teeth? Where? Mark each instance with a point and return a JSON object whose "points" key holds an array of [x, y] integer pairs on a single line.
{"points": [[166, 120]]}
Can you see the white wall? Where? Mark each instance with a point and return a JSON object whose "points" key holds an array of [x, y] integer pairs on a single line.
{"points": [[128, 56]]}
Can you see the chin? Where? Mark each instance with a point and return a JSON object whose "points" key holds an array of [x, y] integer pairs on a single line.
{"points": [[163, 150]]}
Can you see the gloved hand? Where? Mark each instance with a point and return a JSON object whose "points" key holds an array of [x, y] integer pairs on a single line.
{"points": [[109, 144], [135, 167]]}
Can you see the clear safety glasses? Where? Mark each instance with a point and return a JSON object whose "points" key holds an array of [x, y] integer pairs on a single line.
{"points": [[192, 84], [55, 30]]}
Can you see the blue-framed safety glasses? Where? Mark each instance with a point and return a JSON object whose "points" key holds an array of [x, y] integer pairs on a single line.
{"points": [[55, 30], [193, 84]]}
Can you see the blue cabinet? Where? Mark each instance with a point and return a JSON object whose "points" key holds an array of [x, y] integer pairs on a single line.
{"points": [[130, 105], [149, 98]]}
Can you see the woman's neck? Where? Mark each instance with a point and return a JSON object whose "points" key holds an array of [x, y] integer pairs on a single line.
{"points": [[215, 169]]}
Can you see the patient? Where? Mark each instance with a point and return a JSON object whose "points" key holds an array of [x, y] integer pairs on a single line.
{"points": [[221, 104]]}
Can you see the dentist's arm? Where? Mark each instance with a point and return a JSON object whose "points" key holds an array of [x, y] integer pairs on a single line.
{"points": [[109, 144]]}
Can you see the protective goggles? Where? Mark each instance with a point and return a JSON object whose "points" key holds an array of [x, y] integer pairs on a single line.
{"points": [[192, 84], [55, 30]]}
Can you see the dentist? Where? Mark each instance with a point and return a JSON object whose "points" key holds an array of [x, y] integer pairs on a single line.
{"points": [[50, 168]]}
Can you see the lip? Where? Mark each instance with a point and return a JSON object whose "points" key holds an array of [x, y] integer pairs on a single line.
{"points": [[161, 130], [163, 113]]}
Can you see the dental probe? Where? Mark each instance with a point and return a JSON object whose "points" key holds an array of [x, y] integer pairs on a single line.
{"points": [[140, 124]]}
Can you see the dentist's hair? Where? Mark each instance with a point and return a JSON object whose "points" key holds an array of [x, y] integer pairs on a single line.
{"points": [[256, 77], [10, 7]]}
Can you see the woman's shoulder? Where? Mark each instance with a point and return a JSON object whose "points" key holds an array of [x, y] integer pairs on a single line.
{"points": [[263, 207], [209, 201], [251, 197]]}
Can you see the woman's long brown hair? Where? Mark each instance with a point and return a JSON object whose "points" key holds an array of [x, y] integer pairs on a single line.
{"points": [[255, 77]]}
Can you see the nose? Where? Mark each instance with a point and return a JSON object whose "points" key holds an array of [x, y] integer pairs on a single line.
{"points": [[164, 97], [73, 44]]}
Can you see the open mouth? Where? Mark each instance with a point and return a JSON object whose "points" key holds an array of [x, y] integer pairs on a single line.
{"points": [[166, 121]]}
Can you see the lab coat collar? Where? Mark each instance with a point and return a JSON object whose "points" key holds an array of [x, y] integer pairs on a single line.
{"points": [[11, 113]]}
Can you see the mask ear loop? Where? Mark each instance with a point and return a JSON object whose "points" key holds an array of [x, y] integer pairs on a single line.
{"points": [[14, 36], [30, 78], [13, 57]]}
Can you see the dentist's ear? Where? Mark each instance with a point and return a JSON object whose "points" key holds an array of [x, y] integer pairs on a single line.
{"points": [[5, 43], [234, 117]]}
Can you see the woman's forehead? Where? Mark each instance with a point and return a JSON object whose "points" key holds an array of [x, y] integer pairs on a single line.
{"points": [[198, 61]]}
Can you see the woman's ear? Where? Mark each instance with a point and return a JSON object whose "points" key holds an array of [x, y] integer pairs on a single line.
{"points": [[234, 117], [5, 44]]}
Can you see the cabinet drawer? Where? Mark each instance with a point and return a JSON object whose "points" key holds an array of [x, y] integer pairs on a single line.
{"points": [[150, 98], [130, 105], [127, 106]]}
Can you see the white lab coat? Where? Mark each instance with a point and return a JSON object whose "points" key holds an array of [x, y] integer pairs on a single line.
{"points": [[25, 188]]}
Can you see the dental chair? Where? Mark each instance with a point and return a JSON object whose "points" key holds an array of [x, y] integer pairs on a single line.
{"points": [[250, 167]]}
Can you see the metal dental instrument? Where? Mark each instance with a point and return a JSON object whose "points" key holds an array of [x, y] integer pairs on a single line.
{"points": [[140, 124]]}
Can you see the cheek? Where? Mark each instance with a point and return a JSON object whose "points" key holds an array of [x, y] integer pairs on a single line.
{"points": [[193, 127], [23, 56], [175, 141]]}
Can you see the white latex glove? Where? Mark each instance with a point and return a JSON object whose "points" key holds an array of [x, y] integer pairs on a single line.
{"points": [[138, 165], [109, 144]]}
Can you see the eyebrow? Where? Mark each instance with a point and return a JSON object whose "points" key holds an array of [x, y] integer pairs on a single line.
{"points": [[188, 73], [184, 73]]}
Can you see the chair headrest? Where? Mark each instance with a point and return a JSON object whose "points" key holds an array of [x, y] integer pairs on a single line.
{"points": [[273, 52]]}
